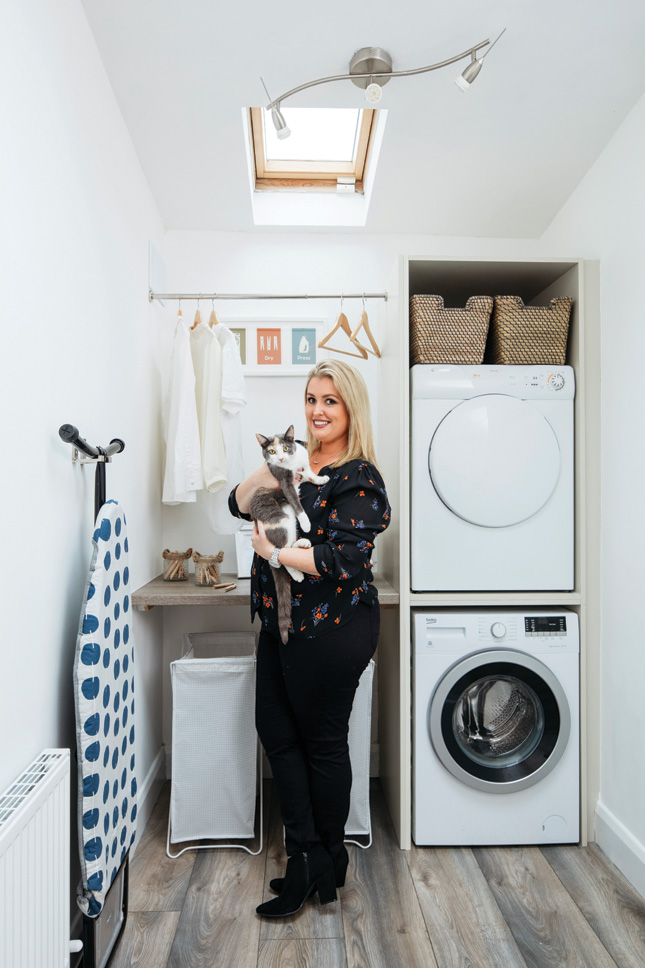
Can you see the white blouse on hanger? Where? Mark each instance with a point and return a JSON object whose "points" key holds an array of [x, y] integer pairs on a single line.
{"points": [[207, 364], [183, 466]]}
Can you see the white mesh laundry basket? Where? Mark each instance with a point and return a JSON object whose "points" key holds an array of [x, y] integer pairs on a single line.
{"points": [[214, 742], [360, 730]]}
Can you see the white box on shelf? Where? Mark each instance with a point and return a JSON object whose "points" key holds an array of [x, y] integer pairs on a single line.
{"points": [[244, 550]]}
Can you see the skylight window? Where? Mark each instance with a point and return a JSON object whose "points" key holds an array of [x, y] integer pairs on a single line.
{"points": [[325, 145], [325, 134]]}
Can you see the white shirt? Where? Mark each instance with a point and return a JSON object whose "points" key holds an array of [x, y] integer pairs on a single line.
{"points": [[183, 467], [207, 363], [233, 399]]}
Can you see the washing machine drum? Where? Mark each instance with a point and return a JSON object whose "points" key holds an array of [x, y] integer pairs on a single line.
{"points": [[499, 720], [494, 460]]}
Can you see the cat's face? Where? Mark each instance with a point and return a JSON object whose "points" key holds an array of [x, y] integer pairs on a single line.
{"points": [[278, 450]]}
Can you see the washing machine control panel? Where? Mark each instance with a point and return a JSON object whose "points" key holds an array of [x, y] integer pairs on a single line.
{"points": [[545, 625]]}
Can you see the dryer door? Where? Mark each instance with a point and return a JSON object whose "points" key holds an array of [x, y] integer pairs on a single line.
{"points": [[494, 460], [499, 720]]}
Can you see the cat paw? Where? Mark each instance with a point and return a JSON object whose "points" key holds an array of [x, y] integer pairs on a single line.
{"points": [[302, 543], [304, 522], [322, 479], [295, 574]]}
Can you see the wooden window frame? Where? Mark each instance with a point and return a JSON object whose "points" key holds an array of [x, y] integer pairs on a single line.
{"points": [[309, 176]]}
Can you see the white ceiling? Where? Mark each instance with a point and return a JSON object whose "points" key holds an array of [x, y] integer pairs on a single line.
{"points": [[498, 161]]}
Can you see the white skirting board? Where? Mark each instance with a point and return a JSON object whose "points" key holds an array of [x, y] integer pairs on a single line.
{"points": [[149, 792], [621, 847]]}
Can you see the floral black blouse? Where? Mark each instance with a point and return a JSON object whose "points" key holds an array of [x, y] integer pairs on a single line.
{"points": [[346, 515]]}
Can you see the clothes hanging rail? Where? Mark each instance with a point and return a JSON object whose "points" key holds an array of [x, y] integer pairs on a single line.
{"points": [[221, 295]]}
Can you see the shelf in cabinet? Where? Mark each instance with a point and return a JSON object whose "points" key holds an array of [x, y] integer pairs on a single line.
{"points": [[494, 599]]}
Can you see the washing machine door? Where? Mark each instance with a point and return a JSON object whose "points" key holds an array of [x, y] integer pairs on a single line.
{"points": [[494, 460], [499, 720]]}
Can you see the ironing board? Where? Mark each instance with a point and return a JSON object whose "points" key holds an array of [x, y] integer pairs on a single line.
{"points": [[105, 706]]}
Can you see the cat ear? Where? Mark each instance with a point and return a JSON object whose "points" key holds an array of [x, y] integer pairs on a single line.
{"points": [[262, 441], [290, 434]]}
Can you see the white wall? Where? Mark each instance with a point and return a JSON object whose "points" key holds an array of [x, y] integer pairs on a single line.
{"points": [[605, 219], [79, 347]]}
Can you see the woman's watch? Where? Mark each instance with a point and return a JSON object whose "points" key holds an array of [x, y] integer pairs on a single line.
{"points": [[273, 560]]}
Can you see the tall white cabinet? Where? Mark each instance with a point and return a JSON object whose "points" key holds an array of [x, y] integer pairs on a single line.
{"points": [[536, 281]]}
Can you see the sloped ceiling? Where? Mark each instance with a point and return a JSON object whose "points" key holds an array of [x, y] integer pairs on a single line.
{"points": [[499, 161]]}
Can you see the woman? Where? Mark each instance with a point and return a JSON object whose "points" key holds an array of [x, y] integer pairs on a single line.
{"points": [[305, 688]]}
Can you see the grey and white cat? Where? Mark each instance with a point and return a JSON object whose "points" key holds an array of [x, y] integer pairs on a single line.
{"points": [[278, 510]]}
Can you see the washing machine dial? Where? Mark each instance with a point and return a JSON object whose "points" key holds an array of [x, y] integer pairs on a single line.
{"points": [[498, 630], [556, 381]]}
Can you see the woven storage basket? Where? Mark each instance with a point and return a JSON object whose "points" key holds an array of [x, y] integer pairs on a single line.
{"points": [[529, 334], [439, 335]]}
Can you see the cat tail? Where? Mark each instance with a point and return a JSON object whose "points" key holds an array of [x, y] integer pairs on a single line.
{"points": [[283, 594]]}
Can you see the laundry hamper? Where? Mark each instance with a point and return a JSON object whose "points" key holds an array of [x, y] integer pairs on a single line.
{"points": [[440, 335], [529, 334], [214, 741], [360, 734]]}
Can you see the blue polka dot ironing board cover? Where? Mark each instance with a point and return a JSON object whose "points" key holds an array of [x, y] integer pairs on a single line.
{"points": [[104, 692]]}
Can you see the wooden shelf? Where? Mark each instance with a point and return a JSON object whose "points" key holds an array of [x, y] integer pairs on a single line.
{"points": [[160, 592]]}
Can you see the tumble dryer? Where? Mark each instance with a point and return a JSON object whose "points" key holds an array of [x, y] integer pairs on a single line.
{"points": [[492, 478], [495, 727]]}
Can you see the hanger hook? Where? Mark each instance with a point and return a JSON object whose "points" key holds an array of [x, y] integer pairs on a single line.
{"points": [[363, 302], [179, 309], [213, 303], [342, 299]]}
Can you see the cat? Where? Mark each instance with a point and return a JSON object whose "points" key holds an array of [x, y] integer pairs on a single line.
{"points": [[278, 510]]}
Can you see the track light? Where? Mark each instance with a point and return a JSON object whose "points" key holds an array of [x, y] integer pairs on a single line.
{"points": [[467, 76], [370, 63], [281, 129], [373, 93]]}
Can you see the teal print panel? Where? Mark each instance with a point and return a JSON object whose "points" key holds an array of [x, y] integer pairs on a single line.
{"points": [[303, 346]]}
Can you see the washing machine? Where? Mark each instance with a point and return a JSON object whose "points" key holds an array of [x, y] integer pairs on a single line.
{"points": [[492, 478], [495, 727]]}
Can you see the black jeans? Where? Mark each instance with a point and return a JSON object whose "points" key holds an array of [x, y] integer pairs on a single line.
{"points": [[304, 695]]}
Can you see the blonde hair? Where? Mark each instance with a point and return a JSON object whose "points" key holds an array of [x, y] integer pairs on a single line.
{"points": [[352, 390]]}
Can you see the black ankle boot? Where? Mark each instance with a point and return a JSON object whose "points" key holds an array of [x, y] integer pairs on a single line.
{"points": [[340, 860], [307, 873]]}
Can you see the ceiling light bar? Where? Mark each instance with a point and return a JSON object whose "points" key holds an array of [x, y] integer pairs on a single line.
{"points": [[364, 71]]}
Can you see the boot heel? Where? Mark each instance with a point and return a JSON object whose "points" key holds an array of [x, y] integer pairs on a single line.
{"points": [[326, 885]]}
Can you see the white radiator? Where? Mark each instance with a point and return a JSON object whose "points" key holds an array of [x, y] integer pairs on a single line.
{"points": [[34, 865]]}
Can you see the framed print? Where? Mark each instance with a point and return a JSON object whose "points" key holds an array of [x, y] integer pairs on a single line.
{"points": [[240, 339], [277, 346], [269, 347], [303, 346]]}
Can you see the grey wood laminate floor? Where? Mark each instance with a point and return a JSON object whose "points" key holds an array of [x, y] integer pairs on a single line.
{"points": [[510, 907]]}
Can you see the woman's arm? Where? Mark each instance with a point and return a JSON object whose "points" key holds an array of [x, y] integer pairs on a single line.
{"points": [[301, 558], [262, 477]]}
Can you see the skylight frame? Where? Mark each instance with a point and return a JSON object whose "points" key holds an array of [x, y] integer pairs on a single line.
{"points": [[306, 176]]}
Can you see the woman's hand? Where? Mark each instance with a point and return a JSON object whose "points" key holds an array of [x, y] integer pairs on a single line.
{"points": [[261, 544]]}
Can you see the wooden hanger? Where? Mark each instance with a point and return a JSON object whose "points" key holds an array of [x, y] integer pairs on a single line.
{"points": [[198, 317], [363, 323], [213, 320], [341, 323]]}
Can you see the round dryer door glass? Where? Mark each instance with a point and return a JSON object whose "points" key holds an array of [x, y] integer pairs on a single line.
{"points": [[499, 720], [494, 460]]}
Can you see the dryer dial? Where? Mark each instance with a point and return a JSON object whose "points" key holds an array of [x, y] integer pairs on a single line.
{"points": [[556, 381], [498, 630]]}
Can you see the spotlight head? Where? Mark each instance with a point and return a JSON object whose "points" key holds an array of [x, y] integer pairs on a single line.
{"points": [[280, 125], [373, 93], [467, 76]]}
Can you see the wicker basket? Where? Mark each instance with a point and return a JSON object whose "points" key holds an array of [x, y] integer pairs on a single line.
{"points": [[439, 335], [529, 334]]}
